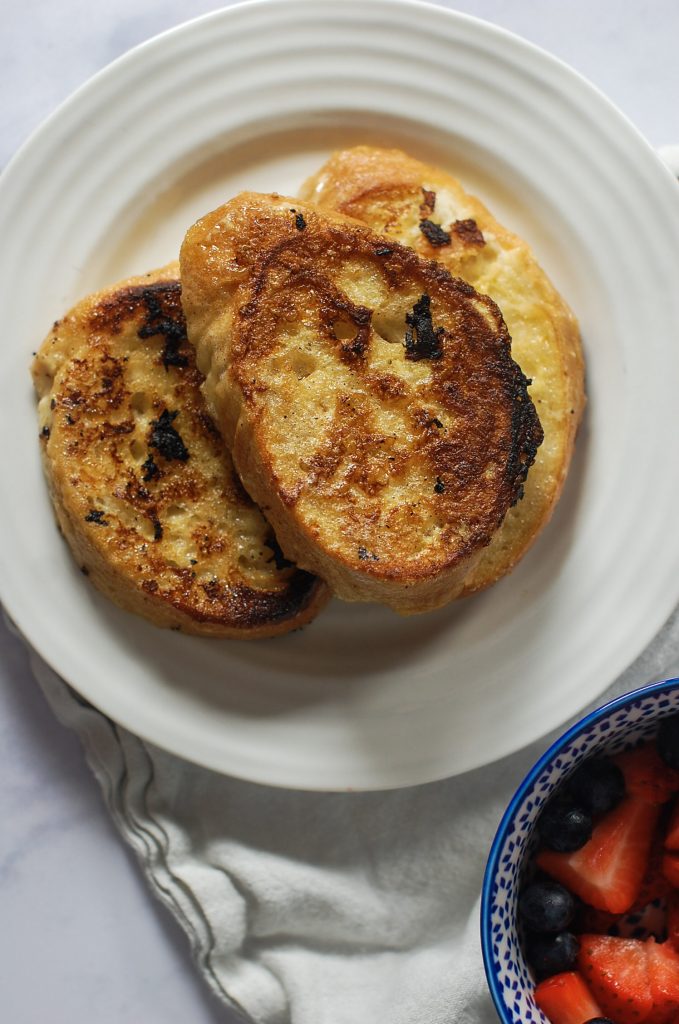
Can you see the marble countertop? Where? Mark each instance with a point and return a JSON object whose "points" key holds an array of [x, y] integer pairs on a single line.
{"points": [[82, 939]]}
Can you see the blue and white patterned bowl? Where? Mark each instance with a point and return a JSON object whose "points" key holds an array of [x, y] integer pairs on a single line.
{"points": [[616, 726]]}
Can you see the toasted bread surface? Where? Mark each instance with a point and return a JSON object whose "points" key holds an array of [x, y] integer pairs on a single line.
{"points": [[370, 399], [428, 210], [144, 491]]}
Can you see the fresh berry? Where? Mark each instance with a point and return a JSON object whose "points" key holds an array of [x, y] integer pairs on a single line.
{"points": [[551, 954], [565, 999], [608, 871], [564, 827], [667, 741], [546, 907], [646, 774], [598, 785], [663, 974], [670, 869], [616, 971], [672, 834], [600, 1020], [633, 981]]}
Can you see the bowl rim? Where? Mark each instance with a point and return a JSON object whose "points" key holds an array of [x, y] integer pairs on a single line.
{"points": [[491, 864]]}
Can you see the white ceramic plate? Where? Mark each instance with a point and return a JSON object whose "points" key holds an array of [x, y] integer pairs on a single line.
{"points": [[256, 96]]}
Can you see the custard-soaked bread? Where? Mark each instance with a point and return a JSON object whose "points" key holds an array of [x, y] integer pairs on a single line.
{"points": [[143, 489], [428, 210], [370, 399]]}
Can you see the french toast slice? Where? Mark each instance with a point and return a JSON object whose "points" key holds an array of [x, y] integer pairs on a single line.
{"points": [[428, 210], [370, 399], [143, 489]]}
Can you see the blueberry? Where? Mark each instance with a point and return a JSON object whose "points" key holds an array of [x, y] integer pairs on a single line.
{"points": [[546, 907], [600, 1020], [564, 827], [668, 741], [552, 954], [598, 786]]}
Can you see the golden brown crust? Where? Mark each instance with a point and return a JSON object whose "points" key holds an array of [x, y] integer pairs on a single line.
{"points": [[371, 400], [426, 209], [143, 489]]}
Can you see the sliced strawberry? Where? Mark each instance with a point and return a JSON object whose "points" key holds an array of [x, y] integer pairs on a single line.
{"points": [[663, 973], [646, 774], [565, 999], [673, 920], [607, 872], [670, 869], [616, 972], [672, 835]]}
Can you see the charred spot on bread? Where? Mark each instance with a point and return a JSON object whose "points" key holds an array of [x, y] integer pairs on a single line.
{"points": [[163, 317], [519, 495], [525, 419], [434, 233], [96, 515], [422, 339], [150, 470], [166, 439], [428, 199], [160, 310], [468, 231]]}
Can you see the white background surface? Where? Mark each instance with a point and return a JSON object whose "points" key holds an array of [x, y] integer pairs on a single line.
{"points": [[81, 939]]}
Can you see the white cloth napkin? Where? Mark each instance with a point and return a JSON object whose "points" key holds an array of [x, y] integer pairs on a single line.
{"points": [[311, 908]]}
